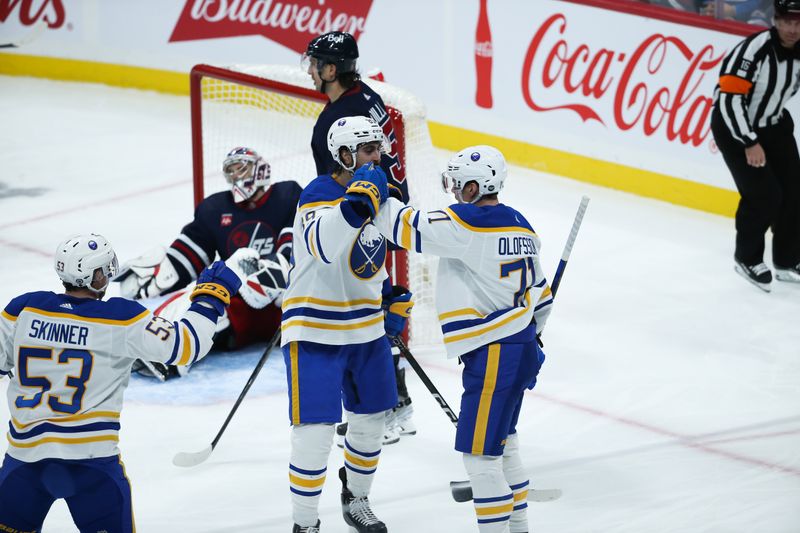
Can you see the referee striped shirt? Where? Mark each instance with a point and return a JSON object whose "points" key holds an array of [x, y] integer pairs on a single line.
{"points": [[757, 78]]}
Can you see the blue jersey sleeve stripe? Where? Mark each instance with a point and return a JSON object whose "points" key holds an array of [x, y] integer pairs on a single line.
{"points": [[305, 238], [396, 229], [319, 246], [177, 332], [3, 373], [196, 339]]}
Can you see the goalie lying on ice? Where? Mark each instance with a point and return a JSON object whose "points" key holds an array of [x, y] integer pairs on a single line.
{"points": [[255, 215]]}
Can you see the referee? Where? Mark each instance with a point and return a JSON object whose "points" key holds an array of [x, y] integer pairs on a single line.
{"points": [[755, 135]]}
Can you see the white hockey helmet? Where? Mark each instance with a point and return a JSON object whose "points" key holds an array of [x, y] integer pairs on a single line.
{"points": [[246, 172], [352, 132], [78, 257], [482, 164]]}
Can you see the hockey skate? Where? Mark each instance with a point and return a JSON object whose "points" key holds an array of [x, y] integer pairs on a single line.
{"points": [[389, 436], [357, 512], [759, 275], [306, 529], [402, 418], [791, 274]]}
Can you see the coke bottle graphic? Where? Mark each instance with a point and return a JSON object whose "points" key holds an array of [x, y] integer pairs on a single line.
{"points": [[483, 59]]}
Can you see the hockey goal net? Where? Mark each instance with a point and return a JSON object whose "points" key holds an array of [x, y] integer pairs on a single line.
{"points": [[272, 109]]}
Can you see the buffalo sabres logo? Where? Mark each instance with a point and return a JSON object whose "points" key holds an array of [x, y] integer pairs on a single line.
{"points": [[368, 253]]}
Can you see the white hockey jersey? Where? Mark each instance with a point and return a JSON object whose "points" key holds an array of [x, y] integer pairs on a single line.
{"points": [[72, 360], [490, 284], [336, 280]]}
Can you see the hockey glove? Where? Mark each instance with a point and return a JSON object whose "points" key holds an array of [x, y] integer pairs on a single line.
{"points": [[398, 307], [263, 280], [215, 286], [146, 276], [367, 190]]}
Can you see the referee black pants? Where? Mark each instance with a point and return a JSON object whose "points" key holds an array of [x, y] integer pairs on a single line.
{"points": [[770, 195]]}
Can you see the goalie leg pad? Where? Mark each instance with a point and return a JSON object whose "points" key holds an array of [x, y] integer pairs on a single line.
{"points": [[517, 479], [311, 445], [362, 449], [491, 494]]}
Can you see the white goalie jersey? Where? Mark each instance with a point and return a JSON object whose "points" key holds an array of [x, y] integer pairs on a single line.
{"points": [[490, 284], [71, 358]]}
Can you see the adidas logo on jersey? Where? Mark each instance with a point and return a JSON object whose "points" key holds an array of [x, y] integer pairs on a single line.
{"points": [[66, 305]]}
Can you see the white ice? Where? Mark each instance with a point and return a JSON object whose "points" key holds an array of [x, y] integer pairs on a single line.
{"points": [[669, 402]]}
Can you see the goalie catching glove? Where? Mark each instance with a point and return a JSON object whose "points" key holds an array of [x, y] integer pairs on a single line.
{"points": [[367, 190], [263, 279], [397, 306], [151, 274]]}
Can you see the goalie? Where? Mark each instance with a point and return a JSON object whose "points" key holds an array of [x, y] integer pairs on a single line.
{"points": [[250, 228]]}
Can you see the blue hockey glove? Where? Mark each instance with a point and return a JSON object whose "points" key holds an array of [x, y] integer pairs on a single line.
{"points": [[215, 286], [398, 307], [367, 189]]}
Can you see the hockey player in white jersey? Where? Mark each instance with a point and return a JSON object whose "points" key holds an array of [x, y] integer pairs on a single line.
{"points": [[71, 356], [491, 297], [333, 328]]}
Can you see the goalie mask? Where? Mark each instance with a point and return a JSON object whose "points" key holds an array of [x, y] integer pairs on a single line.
{"points": [[351, 133], [246, 172], [482, 164], [78, 257]]}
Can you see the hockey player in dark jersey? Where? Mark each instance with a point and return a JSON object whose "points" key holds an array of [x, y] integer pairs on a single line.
{"points": [[330, 60], [250, 228]]}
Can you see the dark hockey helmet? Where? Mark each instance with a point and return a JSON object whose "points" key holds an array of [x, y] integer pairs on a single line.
{"points": [[787, 8], [336, 47]]}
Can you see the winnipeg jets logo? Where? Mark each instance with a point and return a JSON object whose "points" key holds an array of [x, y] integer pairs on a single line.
{"points": [[368, 253]]}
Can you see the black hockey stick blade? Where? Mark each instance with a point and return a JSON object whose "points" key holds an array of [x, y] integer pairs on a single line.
{"points": [[462, 492], [188, 459]]}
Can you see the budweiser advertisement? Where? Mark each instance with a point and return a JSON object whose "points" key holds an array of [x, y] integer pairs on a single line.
{"points": [[291, 24]]}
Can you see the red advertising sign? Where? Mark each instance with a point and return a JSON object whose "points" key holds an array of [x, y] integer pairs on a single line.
{"points": [[31, 11], [290, 23]]}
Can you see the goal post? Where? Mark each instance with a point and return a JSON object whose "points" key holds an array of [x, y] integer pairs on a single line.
{"points": [[273, 109]]}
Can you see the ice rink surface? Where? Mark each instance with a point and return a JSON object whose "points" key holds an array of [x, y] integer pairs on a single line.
{"points": [[669, 402]]}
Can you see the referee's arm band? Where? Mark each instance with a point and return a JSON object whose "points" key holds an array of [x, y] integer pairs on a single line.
{"points": [[734, 84]]}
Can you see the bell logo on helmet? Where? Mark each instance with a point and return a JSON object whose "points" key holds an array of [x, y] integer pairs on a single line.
{"points": [[92, 245], [341, 122], [475, 156]]}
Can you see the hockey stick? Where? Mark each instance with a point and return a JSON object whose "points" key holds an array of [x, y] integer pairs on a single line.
{"points": [[34, 34], [187, 459], [562, 264], [462, 491], [398, 341]]}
